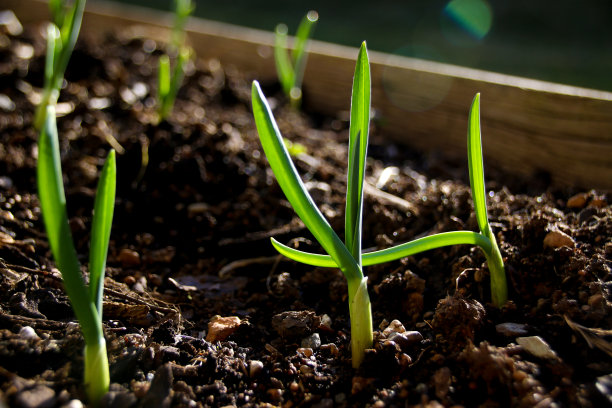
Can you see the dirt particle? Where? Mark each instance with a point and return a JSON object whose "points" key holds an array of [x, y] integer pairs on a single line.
{"points": [[28, 333], [220, 328], [307, 351], [558, 239], [40, 396], [394, 327], [577, 201], [331, 348], [295, 323], [407, 339], [276, 394], [129, 258], [511, 329], [255, 368], [458, 319], [537, 347], [312, 342]]}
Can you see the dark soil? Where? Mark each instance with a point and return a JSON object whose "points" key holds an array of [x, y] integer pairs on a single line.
{"points": [[199, 310]]}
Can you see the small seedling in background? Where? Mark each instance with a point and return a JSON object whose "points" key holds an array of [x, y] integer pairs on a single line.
{"points": [[86, 300], [347, 255], [60, 44], [290, 69], [485, 239], [169, 80]]}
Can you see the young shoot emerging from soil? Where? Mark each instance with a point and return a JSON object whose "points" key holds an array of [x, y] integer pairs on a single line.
{"points": [[168, 83], [86, 300], [290, 69], [60, 43], [347, 255]]}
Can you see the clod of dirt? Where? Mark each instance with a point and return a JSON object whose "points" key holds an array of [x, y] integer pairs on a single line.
{"points": [[458, 319], [295, 323], [160, 391], [220, 328]]}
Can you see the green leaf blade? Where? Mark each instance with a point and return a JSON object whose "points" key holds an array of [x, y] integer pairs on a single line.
{"points": [[358, 146], [101, 228], [284, 68], [55, 217], [475, 165], [299, 53], [394, 253], [294, 189]]}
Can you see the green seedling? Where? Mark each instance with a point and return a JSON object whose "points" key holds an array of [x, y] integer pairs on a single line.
{"points": [[60, 44], [169, 80], [485, 239], [290, 68], [347, 255], [86, 300]]}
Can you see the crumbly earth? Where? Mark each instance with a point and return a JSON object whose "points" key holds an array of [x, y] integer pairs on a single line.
{"points": [[199, 310]]}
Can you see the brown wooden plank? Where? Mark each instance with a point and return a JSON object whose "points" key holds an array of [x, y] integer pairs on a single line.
{"points": [[528, 126]]}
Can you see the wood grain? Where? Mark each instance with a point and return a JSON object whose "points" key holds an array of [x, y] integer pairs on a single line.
{"points": [[528, 126]]}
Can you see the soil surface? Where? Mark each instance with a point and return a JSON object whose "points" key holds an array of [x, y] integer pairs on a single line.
{"points": [[199, 310]]}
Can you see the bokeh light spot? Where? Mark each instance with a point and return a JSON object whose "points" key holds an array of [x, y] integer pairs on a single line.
{"points": [[474, 16]]}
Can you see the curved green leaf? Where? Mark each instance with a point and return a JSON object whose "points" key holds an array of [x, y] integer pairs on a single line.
{"points": [[101, 228], [294, 189], [475, 165], [358, 147], [391, 254]]}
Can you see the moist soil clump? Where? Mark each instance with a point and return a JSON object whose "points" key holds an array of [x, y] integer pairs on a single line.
{"points": [[199, 310]]}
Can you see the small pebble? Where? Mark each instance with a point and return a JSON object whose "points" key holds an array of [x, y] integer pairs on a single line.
{"points": [[10, 22], [326, 322], [75, 403], [340, 398], [537, 347], [557, 239], [406, 339], [598, 202], [313, 341], [40, 396], [129, 257], [255, 368], [331, 348], [596, 300], [511, 329], [395, 326], [275, 394], [6, 104], [604, 386], [220, 328], [28, 333], [577, 201], [307, 351]]}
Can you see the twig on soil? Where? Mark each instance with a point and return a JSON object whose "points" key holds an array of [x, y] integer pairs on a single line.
{"points": [[241, 263], [33, 322], [592, 336], [390, 199]]}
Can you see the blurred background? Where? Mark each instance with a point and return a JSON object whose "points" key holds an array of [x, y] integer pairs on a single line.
{"points": [[564, 41]]}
